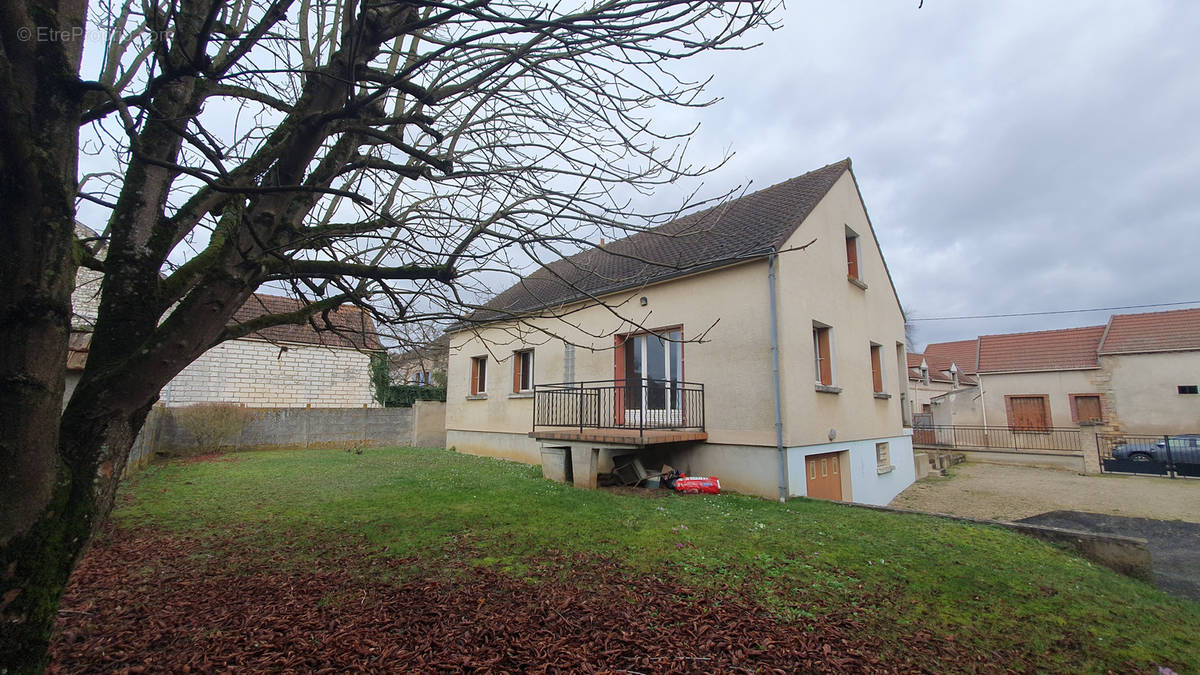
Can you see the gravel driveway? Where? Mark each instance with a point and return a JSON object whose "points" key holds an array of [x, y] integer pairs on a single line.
{"points": [[1013, 492]]}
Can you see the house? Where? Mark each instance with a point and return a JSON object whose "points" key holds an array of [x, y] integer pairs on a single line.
{"points": [[942, 368], [281, 366], [422, 365], [678, 363], [1151, 372], [1138, 373]]}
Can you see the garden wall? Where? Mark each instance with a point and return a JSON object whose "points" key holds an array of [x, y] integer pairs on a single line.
{"points": [[422, 425]]}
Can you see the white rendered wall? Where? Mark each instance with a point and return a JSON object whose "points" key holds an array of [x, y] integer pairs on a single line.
{"points": [[868, 486]]}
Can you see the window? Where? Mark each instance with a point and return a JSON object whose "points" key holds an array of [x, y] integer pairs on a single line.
{"points": [[568, 362], [523, 371], [1029, 412], [421, 378], [478, 375], [1086, 408], [877, 368], [1189, 389], [883, 458], [852, 255], [822, 361]]}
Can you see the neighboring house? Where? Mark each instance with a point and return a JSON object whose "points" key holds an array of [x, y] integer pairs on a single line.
{"points": [[696, 368], [423, 365], [937, 371], [281, 366], [1151, 366], [1139, 373], [1040, 380]]}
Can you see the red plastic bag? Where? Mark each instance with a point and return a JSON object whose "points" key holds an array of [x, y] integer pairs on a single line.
{"points": [[691, 485]]}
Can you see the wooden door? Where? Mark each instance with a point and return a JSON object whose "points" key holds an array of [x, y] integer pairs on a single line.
{"points": [[1029, 413], [824, 476]]}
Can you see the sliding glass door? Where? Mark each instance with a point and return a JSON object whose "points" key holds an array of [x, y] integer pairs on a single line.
{"points": [[653, 378]]}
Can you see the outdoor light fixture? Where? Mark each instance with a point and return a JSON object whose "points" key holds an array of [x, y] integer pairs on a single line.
{"points": [[644, 301], [832, 434]]}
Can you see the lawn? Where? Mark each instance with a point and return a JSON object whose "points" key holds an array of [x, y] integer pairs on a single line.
{"points": [[405, 559]]}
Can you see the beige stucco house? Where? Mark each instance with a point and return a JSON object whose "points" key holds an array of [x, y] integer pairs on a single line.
{"points": [[677, 362], [1137, 374]]}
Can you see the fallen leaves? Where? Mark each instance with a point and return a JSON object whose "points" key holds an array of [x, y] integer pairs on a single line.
{"points": [[147, 602]]}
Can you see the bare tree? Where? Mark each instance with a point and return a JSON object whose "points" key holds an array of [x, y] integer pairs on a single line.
{"points": [[386, 154]]}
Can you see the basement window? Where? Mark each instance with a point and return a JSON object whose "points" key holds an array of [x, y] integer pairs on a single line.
{"points": [[883, 459], [1189, 389]]}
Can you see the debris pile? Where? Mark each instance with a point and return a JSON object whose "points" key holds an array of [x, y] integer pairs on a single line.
{"points": [[629, 471]]}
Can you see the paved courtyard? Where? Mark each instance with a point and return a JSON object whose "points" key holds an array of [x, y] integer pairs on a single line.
{"points": [[1012, 493]]}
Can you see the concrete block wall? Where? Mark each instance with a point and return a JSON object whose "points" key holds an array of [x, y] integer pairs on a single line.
{"points": [[261, 374], [421, 426]]}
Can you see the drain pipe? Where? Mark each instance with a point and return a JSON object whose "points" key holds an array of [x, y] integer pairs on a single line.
{"points": [[783, 486]]}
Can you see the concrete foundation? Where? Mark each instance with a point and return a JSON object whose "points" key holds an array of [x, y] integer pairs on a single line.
{"points": [[584, 463], [554, 464]]}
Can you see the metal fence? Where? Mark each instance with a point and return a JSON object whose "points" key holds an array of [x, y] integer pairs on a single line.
{"points": [[640, 403], [1012, 439], [1170, 456]]}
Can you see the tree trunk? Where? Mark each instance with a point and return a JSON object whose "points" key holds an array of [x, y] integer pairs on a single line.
{"points": [[41, 532]]}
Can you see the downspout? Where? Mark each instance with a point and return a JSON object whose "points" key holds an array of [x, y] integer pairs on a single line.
{"points": [[783, 483], [983, 404]]}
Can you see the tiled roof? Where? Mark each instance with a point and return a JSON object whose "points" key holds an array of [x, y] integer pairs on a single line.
{"points": [[936, 375], [352, 327], [1068, 349], [77, 350], [740, 229], [1153, 332], [962, 353]]}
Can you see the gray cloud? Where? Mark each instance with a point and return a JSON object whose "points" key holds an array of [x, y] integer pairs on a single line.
{"points": [[1014, 156]]}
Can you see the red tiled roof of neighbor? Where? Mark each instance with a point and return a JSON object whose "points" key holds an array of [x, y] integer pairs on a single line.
{"points": [[914, 359], [738, 230], [1175, 330], [77, 350], [1067, 349], [962, 353], [351, 326]]}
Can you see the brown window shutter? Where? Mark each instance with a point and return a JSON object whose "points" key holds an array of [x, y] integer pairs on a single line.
{"points": [[474, 376], [876, 370], [823, 348], [518, 357], [1087, 408], [852, 257]]}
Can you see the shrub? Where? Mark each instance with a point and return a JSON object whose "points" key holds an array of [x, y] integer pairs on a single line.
{"points": [[404, 395], [213, 425]]}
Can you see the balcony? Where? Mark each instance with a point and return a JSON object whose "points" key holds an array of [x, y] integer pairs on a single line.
{"points": [[637, 412]]}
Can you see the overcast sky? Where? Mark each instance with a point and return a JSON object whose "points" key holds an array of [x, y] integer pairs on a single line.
{"points": [[1013, 156]]}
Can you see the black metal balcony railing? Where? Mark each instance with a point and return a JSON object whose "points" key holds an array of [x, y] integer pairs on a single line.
{"points": [[639, 403]]}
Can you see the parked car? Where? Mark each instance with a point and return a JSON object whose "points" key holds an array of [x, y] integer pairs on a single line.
{"points": [[1185, 449]]}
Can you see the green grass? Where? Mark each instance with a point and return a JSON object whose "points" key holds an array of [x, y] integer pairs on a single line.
{"points": [[992, 589]]}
